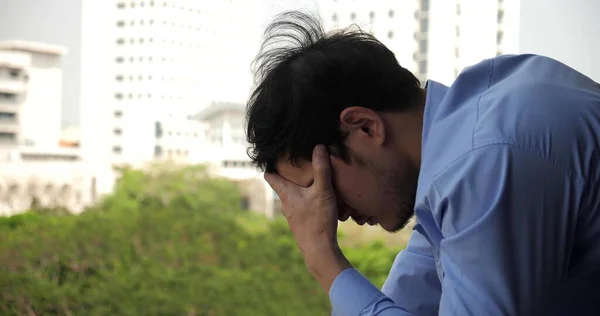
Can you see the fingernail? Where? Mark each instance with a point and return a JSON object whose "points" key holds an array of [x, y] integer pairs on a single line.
{"points": [[320, 151]]}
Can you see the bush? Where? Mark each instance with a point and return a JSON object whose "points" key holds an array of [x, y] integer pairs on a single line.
{"points": [[167, 242]]}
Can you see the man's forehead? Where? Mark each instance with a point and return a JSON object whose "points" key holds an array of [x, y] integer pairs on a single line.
{"points": [[300, 173]]}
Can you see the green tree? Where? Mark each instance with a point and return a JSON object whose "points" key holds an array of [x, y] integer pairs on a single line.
{"points": [[167, 242]]}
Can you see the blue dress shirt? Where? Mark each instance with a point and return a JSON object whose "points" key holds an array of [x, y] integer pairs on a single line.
{"points": [[508, 200]]}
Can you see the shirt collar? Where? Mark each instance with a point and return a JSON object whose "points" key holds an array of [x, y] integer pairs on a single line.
{"points": [[435, 93]]}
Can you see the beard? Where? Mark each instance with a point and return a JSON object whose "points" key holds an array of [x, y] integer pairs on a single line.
{"points": [[399, 185], [403, 191]]}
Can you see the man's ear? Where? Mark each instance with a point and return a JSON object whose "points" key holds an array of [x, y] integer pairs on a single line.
{"points": [[363, 122]]}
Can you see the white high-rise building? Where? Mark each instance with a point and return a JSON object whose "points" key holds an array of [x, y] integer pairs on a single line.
{"points": [[390, 21], [30, 93], [461, 33], [434, 39], [171, 58]]}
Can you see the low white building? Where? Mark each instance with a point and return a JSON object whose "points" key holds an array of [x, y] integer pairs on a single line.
{"points": [[180, 139], [45, 177], [226, 154]]}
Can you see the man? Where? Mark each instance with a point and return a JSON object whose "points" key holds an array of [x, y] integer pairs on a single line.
{"points": [[501, 169]]}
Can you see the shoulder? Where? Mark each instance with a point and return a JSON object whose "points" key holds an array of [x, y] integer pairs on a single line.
{"points": [[538, 104]]}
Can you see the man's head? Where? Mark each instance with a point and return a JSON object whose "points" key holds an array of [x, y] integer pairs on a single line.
{"points": [[347, 91]]}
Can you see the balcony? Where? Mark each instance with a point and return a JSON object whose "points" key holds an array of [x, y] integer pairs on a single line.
{"points": [[12, 86], [9, 106], [9, 126]]}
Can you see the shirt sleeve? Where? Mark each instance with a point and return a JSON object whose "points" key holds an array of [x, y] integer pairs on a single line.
{"points": [[508, 217], [412, 286]]}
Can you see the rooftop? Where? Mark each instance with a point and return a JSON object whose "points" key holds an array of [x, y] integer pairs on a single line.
{"points": [[217, 107], [33, 47]]}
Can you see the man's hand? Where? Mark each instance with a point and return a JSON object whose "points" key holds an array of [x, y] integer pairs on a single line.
{"points": [[312, 215]]}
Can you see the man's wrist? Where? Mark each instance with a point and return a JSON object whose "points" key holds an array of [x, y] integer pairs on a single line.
{"points": [[326, 263]]}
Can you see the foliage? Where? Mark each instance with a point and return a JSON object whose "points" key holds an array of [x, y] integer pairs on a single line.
{"points": [[167, 242]]}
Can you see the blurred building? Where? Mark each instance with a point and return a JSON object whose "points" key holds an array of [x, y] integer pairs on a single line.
{"points": [[457, 34], [30, 93], [390, 21], [34, 169], [434, 39], [225, 152], [171, 58], [45, 178], [179, 139]]}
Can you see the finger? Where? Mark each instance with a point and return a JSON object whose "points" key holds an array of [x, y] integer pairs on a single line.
{"points": [[321, 163], [280, 185], [344, 212]]}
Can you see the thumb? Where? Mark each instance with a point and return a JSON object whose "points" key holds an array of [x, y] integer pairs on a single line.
{"points": [[321, 164]]}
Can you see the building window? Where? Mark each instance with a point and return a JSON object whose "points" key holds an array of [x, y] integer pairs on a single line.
{"points": [[457, 31], [118, 131], [133, 4], [423, 46], [456, 52], [425, 5], [6, 137], [424, 25], [120, 59], [423, 67], [499, 36], [8, 117], [353, 16], [14, 73], [8, 96], [372, 15], [121, 24], [119, 78], [500, 16], [390, 34], [118, 113], [121, 5], [117, 149], [391, 13], [158, 130], [120, 41], [158, 151], [458, 11], [118, 96]]}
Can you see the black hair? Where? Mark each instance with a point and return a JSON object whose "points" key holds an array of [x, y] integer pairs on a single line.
{"points": [[304, 79]]}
